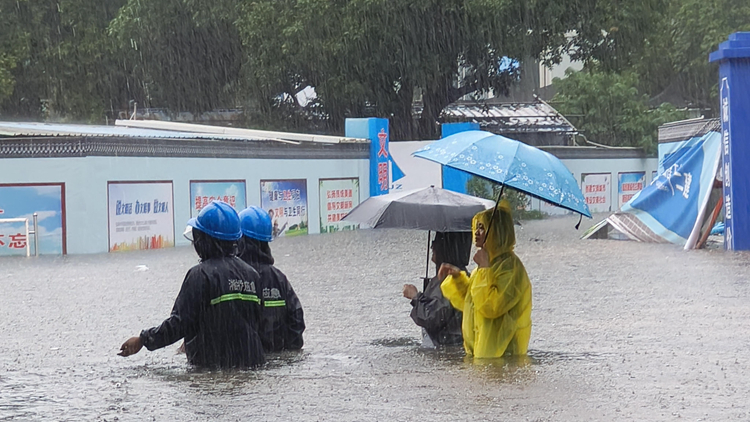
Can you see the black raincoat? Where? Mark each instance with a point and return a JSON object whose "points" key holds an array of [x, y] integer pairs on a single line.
{"points": [[432, 311], [282, 321], [217, 312]]}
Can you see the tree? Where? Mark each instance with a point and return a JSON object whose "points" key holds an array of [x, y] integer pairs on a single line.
{"points": [[11, 51], [696, 30], [56, 57], [608, 108], [519, 202], [672, 61], [381, 54], [184, 55]]}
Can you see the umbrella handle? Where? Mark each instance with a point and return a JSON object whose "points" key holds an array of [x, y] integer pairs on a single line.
{"points": [[494, 211], [427, 264]]}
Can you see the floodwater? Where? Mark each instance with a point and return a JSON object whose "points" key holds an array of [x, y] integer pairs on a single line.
{"points": [[621, 331]]}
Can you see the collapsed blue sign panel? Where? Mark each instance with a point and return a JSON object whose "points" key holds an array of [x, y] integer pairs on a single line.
{"points": [[672, 207]]}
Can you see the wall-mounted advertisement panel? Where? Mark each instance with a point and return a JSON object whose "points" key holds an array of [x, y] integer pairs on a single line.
{"points": [[286, 202], [337, 198], [19, 202], [629, 184], [202, 192], [141, 215], [596, 189]]}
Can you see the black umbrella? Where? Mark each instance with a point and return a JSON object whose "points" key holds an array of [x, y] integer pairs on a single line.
{"points": [[431, 209]]}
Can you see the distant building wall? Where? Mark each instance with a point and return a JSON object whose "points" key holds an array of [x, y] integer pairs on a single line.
{"points": [[615, 168], [86, 207]]}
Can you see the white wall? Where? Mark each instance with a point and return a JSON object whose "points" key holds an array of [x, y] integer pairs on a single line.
{"points": [[419, 173], [613, 166], [86, 185]]}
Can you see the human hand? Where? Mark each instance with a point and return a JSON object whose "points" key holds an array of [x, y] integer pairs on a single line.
{"points": [[131, 346], [446, 270], [482, 258], [410, 291]]}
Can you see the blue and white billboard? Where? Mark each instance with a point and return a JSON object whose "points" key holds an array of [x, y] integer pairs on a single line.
{"points": [[286, 203], [202, 192], [21, 202]]}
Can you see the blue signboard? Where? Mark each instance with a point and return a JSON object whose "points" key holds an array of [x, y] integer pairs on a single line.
{"points": [[383, 170], [454, 179], [727, 160], [733, 56]]}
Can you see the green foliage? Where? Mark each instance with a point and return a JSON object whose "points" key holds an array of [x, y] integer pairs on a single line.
{"points": [[674, 65], [379, 54], [60, 58], [608, 108], [82, 59], [519, 202], [184, 55]]}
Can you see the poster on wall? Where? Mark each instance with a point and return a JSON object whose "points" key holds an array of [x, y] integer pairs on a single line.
{"points": [[141, 215], [596, 189], [21, 201], [629, 184], [337, 198], [202, 192], [286, 202]]}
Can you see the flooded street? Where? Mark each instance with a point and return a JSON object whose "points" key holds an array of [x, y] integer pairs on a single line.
{"points": [[621, 331]]}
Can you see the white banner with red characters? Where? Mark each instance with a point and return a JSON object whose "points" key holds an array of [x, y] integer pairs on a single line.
{"points": [[286, 203], [337, 198], [629, 184], [202, 192], [22, 201], [597, 190]]}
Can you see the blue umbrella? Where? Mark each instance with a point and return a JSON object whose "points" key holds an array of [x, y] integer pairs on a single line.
{"points": [[510, 163]]}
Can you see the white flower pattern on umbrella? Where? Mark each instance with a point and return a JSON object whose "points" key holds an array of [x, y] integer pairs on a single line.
{"points": [[511, 163]]}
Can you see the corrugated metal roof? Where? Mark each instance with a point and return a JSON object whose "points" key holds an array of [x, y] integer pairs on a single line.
{"points": [[686, 129], [509, 117], [34, 129]]}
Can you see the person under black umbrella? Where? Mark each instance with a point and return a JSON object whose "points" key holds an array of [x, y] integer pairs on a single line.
{"points": [[440, 322]]}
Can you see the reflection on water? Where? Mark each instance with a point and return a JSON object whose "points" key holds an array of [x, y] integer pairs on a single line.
{"points": [[622, 331], [396, 342]]}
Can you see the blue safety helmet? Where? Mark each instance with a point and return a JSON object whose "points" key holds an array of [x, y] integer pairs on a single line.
{"points": [[219, 220], [256, 224]]}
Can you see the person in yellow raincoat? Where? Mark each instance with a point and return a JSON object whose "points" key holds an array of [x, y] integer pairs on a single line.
{"points": [[496, 300]]}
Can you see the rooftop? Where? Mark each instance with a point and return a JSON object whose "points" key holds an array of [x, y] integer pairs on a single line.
{"points": [[535, 116], [141, 138]]}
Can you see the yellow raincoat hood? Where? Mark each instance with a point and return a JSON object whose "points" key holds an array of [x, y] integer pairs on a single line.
{"points": [[496, 301], [501, 237]]}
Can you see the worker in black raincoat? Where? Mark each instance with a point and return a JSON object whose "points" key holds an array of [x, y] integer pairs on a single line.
{"points": [[440, 321], [282, 320], [217, 311]]}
